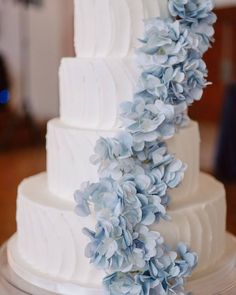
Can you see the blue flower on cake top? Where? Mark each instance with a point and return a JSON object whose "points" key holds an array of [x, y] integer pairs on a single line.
{"points": [[196, 15], [171, 62]]}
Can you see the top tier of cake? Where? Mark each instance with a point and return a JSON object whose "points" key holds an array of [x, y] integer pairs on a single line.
{"points": [[111, 27]]}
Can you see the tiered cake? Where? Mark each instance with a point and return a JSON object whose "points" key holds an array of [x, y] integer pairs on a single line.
{"points": [[49, 242]]}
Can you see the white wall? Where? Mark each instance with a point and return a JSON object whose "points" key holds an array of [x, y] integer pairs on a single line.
{"points": [[45, 54], [9, 45], [47, 38], [225, 3]]}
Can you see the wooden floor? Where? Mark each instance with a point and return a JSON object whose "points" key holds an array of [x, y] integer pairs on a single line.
{"points": [[17, 164]]}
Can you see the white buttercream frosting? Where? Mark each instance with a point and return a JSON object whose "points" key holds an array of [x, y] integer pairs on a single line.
{"points": [[50, 237], [200, 222], [91, 90], [68, 157], [185, 145], [110, 27], [69, 150], [50, 234], [49, 240], [215, 279]]}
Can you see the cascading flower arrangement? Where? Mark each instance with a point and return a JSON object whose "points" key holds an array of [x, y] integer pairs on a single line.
{"points": [[136, 171]]}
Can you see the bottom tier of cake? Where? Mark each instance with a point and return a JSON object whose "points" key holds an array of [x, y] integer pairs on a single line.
{"points": [[50, 239], [17, 274]]}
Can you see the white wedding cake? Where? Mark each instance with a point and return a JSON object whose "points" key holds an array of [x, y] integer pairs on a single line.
{"points": [[49, 243]]}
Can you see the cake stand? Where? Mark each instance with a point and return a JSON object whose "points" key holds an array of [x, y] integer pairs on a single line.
{"points": [[11, 284], [219, 281]]}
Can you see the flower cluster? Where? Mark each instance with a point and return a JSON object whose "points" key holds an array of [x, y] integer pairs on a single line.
{"points": [[171, 56], [182, 83], [163, 275], [131, 195], [148, 162], [148, 120], [135, 169], [165, 43], [196, 15]]}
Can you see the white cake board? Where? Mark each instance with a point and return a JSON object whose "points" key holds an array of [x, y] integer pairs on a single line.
{"points": [[15, 272]]}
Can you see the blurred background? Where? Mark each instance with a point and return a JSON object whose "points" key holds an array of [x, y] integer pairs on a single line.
{"points": [[34, 36]]}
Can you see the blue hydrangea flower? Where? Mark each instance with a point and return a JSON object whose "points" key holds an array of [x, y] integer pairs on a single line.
{"points": [[171, 271], [129, 284], [195, 79], [165, 43], [165, 84], [174, 85], [112, 148], [148, 121], [82, 208], [120, 283], [146, 241], [191, 11], [189, 258], [150, 171], [114, 247], [174, 173], [162, 168], [103, 250], [153, 208], [107, 194], [181, 115], [198, 16], [165, 274], [122, 213], [114, 155]]}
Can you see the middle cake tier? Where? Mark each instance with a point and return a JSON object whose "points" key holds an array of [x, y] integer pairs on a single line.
{"points": [[69, 150], [92, 89]]}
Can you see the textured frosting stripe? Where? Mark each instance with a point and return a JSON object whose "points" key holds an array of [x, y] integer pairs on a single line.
{"points": [[197, 237], [186, 146], [106, 97], [68, 154], [121, 22], [102, 27], [110, 27], [53, 240], [92, 89], [200, 225], [154, 8], [69, 150], [50, 235]]}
